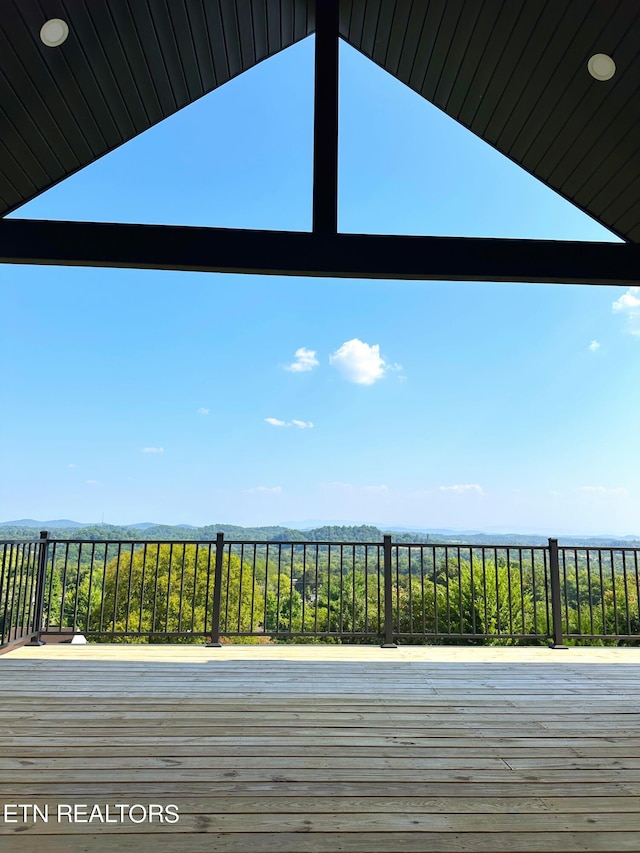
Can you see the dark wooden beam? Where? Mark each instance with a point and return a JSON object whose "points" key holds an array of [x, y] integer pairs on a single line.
{"points": [[171, 247], [325, 118]]}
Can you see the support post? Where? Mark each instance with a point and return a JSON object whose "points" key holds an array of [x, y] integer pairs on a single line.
{"points": [[325, 118], [217, 594], [556, 602], [41, 579], [388, 595]]}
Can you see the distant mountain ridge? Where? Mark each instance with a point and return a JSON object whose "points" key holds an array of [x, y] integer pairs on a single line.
{"points": [[67, 524], [67, 529], [42, 525]]}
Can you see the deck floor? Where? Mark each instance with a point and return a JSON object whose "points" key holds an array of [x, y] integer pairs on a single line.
{"points": [[293, 749]]}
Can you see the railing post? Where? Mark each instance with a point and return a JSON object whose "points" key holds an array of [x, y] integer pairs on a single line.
{"points": [[388, 595], [217, 593], [41, 579], [556, 602]]}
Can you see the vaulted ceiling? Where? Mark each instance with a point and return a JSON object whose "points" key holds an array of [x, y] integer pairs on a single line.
{"points": [[514, 72]]}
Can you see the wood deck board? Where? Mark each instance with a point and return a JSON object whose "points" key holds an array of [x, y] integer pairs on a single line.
{"points": [[291, 804], [336, 842], [297, 749]]}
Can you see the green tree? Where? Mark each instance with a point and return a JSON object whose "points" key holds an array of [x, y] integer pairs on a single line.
{"points": [[169, 590]]}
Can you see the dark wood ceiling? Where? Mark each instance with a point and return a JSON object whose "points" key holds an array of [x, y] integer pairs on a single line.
{"points": [[512, 71], [515, 74], [126, 65]]}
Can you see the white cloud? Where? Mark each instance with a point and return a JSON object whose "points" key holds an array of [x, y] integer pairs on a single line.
{"points": [[628, 301], [629, 305], [603, 491], [91, 482], [153, 449], [305, 359], [293, 422], [463, 488], [594, 345], [360, 362], [264, 490], [374, 490], [203, 411], [72, 465]]}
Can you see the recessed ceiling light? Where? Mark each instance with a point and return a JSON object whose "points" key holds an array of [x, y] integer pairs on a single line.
{"points": [[601, 66], [54, 32]]}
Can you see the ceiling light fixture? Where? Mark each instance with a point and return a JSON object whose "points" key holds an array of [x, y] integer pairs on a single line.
{"points": [[601, 66], [54, 32]]}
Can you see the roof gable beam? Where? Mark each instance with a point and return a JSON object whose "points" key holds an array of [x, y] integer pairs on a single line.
{"points": [[369, 256]]}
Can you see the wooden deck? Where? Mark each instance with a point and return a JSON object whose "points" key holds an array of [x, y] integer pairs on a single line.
{"points": [[292, 749]]}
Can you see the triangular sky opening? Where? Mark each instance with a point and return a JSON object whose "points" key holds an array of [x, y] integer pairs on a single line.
{"points": [[241, 157], [408, 168]]}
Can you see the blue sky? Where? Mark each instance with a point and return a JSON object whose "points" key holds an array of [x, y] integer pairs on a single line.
{"points": [[179, 397]]}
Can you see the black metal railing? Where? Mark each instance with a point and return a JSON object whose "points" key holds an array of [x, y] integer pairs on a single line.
{"points": [[22, 569], [168, 591]]}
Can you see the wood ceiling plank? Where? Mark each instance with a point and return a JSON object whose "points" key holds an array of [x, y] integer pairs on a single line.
{"points": [[474, 49], [469, 21], [28, 81], [578, 112], [503, 93], [397, 31], [111, 112], [594, 142], [139, 66], [25, 164], [442, 47], [619, 161], [370, 26], [356, 10], [426, 44], [633, 235], [631, 215], [301, 25], [479, 90], [411, 40], [287, 24], [83, 97], [165, 32], [179, 23], [126, 90], [610, 199], [260, 39], [274, 34], [215, 27], [543, 67], [231, 36], [195, 10], [244, 23]]}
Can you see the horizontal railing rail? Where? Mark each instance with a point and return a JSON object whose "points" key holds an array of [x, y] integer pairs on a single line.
{"points": [[366, 592]]}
